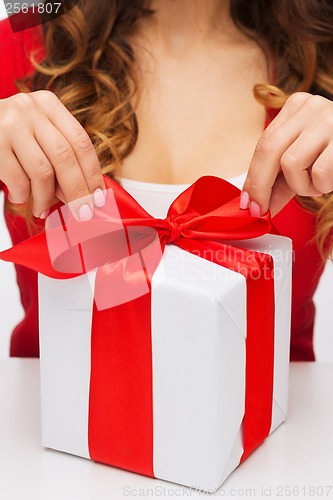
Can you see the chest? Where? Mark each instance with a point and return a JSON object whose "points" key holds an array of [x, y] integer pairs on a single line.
{"points": [[197, 115]]}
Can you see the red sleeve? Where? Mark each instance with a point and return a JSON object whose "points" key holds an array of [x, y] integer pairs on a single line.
{"points": [[15, 49]]}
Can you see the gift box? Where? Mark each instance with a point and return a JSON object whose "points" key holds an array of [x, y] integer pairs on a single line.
{"points": [[165, 347]]}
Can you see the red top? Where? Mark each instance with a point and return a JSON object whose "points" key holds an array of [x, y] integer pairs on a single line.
{"points": [[293, 221]]}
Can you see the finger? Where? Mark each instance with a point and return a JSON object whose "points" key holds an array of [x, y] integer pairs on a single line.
{"points": [[80, 142], [15, 178], [319, 182], [322, 171], [67, 169], [281, 194], [294, 102], [291, 106], [39, 170], [265, 163], [59, 194], [299, 158]]}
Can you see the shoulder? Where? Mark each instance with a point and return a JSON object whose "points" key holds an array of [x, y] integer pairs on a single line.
{"points": [[15, 50]]}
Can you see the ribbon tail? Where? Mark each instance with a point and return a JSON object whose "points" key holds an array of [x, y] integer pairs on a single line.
{"points": [[33, 253]]}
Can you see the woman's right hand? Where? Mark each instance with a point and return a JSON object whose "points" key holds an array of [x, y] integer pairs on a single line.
{"points": [[45, 152]]}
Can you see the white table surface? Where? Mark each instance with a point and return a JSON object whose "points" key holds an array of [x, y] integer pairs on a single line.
{"points": [[299, 454]]}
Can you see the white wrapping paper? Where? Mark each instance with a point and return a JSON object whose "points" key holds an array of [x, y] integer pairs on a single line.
{"points": [[198, 346]]}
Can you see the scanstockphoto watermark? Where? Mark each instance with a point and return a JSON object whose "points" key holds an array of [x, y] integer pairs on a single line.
{"points": [[254, 265], [160, 491], [262, 491], [206, 272], [126, 250], [26, 14]]}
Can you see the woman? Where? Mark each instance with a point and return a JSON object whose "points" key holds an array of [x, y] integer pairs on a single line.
{"points": [[156, 94]]}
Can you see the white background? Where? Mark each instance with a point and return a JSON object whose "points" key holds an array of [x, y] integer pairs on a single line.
{"points": [[2, 10], [11, 311]]}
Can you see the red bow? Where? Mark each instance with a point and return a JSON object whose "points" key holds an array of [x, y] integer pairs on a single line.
{"points": [[207, 210]]}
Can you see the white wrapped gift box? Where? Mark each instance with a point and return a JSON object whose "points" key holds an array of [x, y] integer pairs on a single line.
{"points": [[198, 315]]}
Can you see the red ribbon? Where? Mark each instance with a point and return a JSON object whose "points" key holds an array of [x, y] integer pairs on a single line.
{"points": [[120, 402]]}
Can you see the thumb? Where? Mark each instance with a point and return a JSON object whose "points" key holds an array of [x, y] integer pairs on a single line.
{"points": [[281, 194]]}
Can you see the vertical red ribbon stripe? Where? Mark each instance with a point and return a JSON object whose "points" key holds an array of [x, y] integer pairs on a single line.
{"points": [[121, 400]]}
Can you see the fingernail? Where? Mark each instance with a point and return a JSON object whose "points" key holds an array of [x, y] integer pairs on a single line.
{"points": [[99, 198], [85, 213], [244, 200], [254, 209], [44, 214]]}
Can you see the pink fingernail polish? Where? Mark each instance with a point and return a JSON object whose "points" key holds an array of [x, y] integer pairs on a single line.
{"points": [[85, 213], [254, 209], [244, 200], [99, 198], [44, 214]]}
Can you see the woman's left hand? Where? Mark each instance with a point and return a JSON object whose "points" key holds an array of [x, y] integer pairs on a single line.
{"points": [[300, 141]]}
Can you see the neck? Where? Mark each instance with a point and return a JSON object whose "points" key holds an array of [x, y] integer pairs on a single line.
{"points": [[181, 24]]}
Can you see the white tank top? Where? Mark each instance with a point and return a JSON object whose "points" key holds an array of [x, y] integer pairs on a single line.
{"points": [[156, 198]]}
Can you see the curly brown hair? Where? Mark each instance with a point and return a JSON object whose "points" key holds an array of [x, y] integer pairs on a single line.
{"points": [[90, 66]]}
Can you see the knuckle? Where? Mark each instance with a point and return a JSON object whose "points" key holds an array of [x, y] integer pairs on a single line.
{"points": [[256, 189], [45, 100], [265, 145], [83, 141], [19, 107], [289, 161], [9, 121], [320, 187], [320, 174], [63, 153], [44, 95], [93, 176], [297, 99], [45, 171], [321, 170], [17, 128], [22, 100], [316, 102], [19, 110]]}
